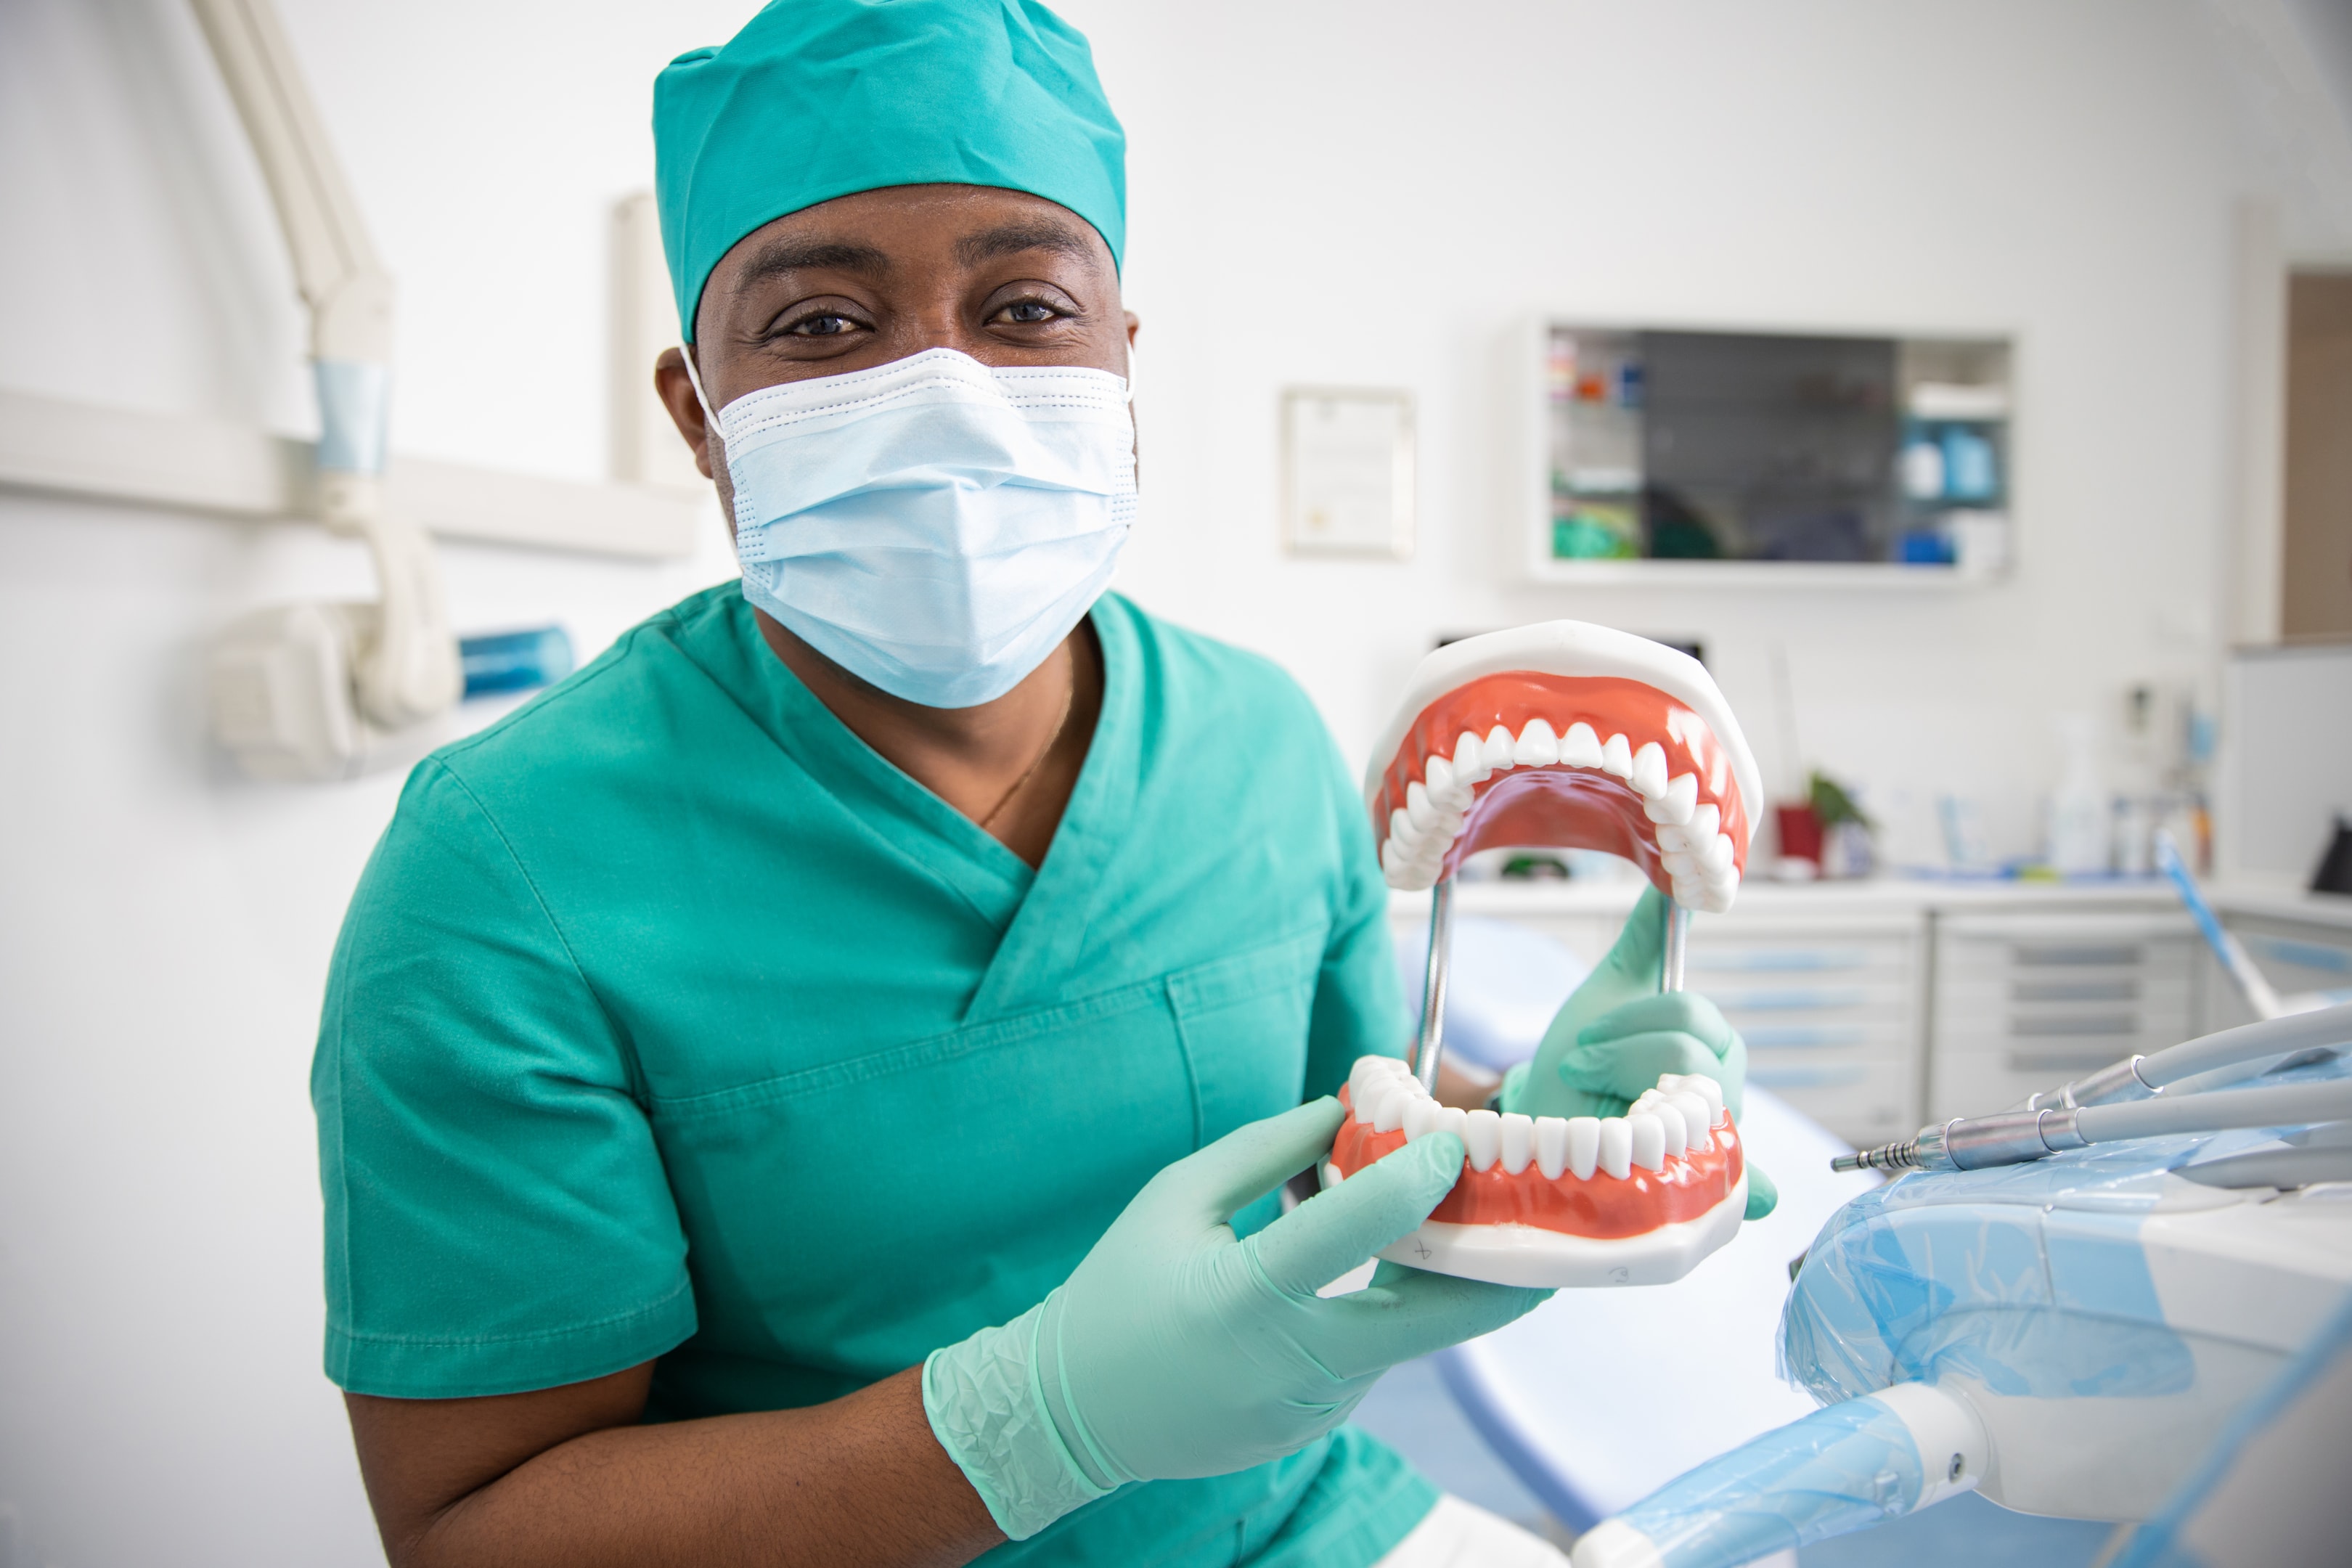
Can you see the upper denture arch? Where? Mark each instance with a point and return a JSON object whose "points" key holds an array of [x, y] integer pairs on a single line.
{"points": [[1599, 740]]}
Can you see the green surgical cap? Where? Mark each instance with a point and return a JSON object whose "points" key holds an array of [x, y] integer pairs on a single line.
{"points": [[819, 99]]}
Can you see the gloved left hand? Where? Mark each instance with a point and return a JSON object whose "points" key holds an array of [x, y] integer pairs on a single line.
{"points": [[1618, 1031]]}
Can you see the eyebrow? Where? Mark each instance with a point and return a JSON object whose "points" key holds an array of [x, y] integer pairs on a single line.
{"points": [[782, 255], [1012, 239]]}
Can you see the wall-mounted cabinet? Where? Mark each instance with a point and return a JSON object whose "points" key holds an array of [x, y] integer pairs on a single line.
{"points": [[1682, 455]]}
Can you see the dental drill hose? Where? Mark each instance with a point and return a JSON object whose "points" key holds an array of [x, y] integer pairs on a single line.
{"points": [[2016, 1137], [2131, 1079]]}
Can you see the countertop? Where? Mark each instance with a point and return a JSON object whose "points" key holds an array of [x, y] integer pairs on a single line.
{"points": [[1896, 894]]}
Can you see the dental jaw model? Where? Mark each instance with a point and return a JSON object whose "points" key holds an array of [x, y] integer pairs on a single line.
{"points": [[1572, 736]]}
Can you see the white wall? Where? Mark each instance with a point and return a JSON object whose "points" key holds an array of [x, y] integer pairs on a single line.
{"points": [[1358, 193]]}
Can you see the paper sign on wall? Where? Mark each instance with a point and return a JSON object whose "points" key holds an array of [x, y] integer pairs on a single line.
{"points": [[1348, 472]]}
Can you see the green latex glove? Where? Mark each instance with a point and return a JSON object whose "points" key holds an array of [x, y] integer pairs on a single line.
{"points": [[1613, 1039], [1177, 1350]]}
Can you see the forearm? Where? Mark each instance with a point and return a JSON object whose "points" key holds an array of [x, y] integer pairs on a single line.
{"points": [[858, 1481]]}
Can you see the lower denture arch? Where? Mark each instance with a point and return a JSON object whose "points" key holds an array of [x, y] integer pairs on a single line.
{"points": [[1690, 1183], [1563, 804]]}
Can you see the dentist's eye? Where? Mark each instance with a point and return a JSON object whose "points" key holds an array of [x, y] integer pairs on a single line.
{"points": [[822, 326]]}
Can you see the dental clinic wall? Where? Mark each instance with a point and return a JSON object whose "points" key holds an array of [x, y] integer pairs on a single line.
{"points": [[1362, 193]]}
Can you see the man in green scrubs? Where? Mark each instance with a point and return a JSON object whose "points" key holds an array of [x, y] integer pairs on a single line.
{"points": [[726, 1054]]}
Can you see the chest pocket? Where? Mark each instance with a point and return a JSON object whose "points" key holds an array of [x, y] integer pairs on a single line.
{"points": [[1242, 1020], [845, 1219]]}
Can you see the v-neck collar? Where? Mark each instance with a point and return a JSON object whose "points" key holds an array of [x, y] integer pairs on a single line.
{"points": [[1041, 915]]}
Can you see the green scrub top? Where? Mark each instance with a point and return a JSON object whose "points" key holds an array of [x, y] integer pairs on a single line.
{"points": [[670, 1021]]}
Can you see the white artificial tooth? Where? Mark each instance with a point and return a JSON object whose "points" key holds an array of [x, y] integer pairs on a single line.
{"points": [[1417, 809], [1551, 1146], [1368, 1074], [1518, 1142], [1447, 792], [1389, 1110], [1680, 863], [1649, 1146], [1455, 1119], [1705, 823], [1677, 1126], [1580, 747], [1332, 1175], [1649, 776], [1402, 830], [1715, 855], [1391, 860], [1674, 807], [1470, 760], [1715, 774], [1616, 1147], [1537, 747], [1481, 1138], [1707, 1089], [1583, 1146], [1421, 1116], [1670, 837], [1500, 745], [1617, 757], [1691, 894], [1716, 898], [1696, 1119]]}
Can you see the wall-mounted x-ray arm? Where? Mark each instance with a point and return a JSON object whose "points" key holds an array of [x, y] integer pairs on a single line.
{"points": [[397, 659]]}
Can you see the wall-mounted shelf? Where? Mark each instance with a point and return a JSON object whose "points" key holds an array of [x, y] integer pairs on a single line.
{"points": [[188, 463], [1705, 456]]}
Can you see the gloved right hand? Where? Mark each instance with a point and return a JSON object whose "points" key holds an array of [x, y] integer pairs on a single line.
{"points": [[1176, 1350]]}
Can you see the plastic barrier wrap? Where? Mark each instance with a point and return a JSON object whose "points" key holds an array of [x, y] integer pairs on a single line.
{"points": [[1838, 1469], [2026, 1296], [2026, 1279]]}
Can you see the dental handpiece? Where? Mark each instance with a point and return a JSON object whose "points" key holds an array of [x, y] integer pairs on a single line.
{"points": [[2017, 1137], [2136, 1080]]}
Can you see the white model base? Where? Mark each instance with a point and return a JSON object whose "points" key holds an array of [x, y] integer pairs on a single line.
{"points": [[1549, 1259]]}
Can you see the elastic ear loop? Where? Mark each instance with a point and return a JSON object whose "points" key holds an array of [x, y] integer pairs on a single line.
{"points": [[710, 415]]}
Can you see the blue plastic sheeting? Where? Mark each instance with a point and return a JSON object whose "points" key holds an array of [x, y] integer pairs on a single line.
{"points": [[1839, 1470], [2270, 1492], [2028, 1280]]}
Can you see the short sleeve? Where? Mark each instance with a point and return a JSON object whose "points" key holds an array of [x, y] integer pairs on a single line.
{"points": [[1359, 1006], [498, 1217]]}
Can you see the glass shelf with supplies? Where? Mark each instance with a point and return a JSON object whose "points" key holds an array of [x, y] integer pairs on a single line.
{"points": [[1695, 456]]}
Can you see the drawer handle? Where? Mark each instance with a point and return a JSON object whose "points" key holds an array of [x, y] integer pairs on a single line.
{"points": [[2304, 954], [2058, 1061], [1804, 1078], [2093, 1024], [2073, 957], [1758, 962], [1787, 1001], [1770, 1037], [2075, 991]]}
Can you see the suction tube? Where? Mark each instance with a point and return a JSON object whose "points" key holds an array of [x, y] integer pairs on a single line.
{"points": [[1841, 1468]]}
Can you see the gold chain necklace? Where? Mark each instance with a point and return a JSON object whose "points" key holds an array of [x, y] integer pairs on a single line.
{"points": [[1069, 695]]}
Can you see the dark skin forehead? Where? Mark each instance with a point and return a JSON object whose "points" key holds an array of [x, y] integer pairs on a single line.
{"points": [[1007, 277]]}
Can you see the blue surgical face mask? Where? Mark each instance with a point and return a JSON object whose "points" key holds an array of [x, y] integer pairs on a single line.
{"points": [[935, 526]]}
